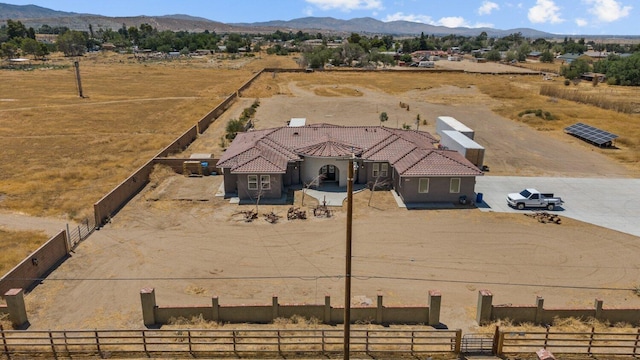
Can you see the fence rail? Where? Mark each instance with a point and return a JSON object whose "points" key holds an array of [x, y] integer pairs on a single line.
{"points": [[225, 342], [80, 232], [592, 343]]}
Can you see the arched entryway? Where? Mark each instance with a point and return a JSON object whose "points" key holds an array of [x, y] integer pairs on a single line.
{"points": [[329, 174]]}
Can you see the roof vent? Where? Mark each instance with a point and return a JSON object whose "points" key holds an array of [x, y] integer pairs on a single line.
{"points": [[296, 133]]}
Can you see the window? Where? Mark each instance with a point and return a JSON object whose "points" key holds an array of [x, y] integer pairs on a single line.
{"points": [[380, 170], [384, 170], [454, 185], [253, 182], [265, 182], [423, 185]]}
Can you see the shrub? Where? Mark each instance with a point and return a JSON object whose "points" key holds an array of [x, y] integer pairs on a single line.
{"points": [[539, 113], [567, 82]]}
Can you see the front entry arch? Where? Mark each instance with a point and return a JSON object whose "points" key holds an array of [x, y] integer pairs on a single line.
{"points": [[329, 173]]}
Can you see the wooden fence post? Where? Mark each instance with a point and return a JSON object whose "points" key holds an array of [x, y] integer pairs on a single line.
{"points": [[496, 340], [97, 342], [458, 345], [279, 341], [53, 345], [144, 343], [66, 342], [4, 342], [546, 337], [593, 329], [235, 350]]}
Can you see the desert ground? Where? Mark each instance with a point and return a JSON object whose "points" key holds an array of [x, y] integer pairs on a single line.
{"points": [[179, 238]]}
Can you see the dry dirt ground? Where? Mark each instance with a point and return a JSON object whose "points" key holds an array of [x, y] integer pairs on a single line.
{"points": [[179, 238]]}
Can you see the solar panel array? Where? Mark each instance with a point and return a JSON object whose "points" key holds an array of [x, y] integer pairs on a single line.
{"points": [[591, 134]]}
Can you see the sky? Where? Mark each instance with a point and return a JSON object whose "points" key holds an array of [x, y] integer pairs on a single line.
{"points": [[568, 17]]}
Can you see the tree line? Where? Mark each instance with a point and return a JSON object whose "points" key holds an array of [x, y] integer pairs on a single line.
{"points": [[352, 50]]}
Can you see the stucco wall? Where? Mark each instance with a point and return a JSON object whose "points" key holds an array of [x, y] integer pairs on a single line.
{"points": [[380, 314], [36, 265], [113, 201], [537, 314], [275, 192], [311, 169], [366, 173], [438, 190]]}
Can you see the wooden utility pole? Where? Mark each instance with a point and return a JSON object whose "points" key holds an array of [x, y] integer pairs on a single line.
{"points": [[347, 277], [77, 66]]}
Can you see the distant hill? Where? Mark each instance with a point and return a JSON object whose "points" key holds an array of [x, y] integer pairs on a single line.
{"points": [[8, 11], [36, 16], [373, 26]]}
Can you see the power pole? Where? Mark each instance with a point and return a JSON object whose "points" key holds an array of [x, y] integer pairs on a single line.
{"points": [[77, 66], [347, 278]]}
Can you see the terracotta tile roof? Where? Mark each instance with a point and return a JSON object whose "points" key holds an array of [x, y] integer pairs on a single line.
{"points": [[436, 163], [411, 152]]}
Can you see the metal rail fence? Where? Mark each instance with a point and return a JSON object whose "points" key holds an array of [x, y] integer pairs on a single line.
{"points": [[221, 343], [80, 232]]}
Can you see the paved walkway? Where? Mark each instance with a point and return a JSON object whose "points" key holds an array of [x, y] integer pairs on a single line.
{"points": [[610, 203]]}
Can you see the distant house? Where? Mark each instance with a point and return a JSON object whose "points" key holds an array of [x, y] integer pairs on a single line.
{"points": [[568, 57], [266, 162], [590, 76], [534, 55], [596, 55], [108, 47]]}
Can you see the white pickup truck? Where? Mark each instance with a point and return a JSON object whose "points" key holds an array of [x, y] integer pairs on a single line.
{"points": [[532, 198]]}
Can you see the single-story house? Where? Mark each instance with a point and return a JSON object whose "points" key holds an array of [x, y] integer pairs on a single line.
{"points": [[265, 162]]}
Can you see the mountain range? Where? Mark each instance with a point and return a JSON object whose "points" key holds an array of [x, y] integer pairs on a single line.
{"points": [[36, 16]]}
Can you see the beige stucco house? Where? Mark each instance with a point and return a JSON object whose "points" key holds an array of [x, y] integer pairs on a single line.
{"points": [[267, 162]]}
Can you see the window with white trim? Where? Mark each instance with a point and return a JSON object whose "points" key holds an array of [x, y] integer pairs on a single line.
{"points": [[265, 182], [454, 185], [423, 185], [375, 172], [252, 181], [380, 170]]}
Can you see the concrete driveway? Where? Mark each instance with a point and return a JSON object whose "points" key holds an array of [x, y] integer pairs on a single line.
{"points": [[610, 203]]}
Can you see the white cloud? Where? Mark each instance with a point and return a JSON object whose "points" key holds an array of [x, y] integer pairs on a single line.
{"points": [[409, 17], [482, 25], [608, 10], [487, 7], [347, 5], [581, 22], [545, 11], [453, 21]]}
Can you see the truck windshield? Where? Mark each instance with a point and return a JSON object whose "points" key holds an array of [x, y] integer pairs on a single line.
{"points": [[525, 193]]}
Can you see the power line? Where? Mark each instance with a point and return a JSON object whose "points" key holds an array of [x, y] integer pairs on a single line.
{"points": [[336, 277]]}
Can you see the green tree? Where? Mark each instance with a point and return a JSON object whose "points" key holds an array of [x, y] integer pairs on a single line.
{"points": [[383, 117], [234, 126], [523, 50], [493, 55], [8, 50], [72, 43], [30, 47], [546, 57], [16, 29], [575, 69]]}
